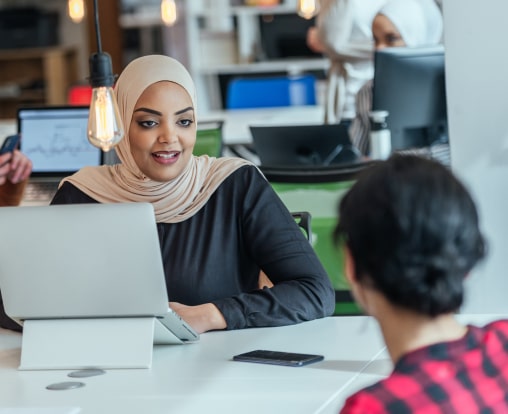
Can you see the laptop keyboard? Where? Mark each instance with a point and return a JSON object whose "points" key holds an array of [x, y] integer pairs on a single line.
{"points": [[40, 191]]}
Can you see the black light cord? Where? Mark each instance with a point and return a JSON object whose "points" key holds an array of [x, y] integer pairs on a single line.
{"points": [[97, 26], [101, 70]]}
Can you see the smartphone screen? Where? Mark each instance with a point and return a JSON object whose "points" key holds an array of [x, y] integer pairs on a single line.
{"points": [[9, 144], [278, 358]]}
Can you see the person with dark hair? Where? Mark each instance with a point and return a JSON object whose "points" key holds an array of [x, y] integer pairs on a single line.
{"points": [[411, 235]]}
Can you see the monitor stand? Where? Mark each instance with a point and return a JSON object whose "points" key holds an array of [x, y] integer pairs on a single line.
{"points": [[87, 343]]}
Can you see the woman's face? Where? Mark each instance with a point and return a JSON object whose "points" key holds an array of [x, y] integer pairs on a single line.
{"points": [[385, 33], [162, 132]]}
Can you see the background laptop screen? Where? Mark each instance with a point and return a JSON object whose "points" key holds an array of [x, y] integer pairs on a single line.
{"points": [[303, 145], [55, 139]]}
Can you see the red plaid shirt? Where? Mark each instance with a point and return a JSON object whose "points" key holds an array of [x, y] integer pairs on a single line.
{"points": [[466, 376]]}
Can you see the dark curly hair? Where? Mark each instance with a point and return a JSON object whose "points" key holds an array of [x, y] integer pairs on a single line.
{"points": [[412, 229]]}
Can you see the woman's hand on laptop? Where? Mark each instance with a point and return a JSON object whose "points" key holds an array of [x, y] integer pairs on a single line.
{"points": [[202, 318]]}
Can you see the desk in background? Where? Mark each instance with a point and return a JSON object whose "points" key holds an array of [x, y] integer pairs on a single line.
{"points": [[236, 121]]}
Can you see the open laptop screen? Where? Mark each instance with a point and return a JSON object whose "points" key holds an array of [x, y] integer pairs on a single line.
{"points": [[55, 139]]}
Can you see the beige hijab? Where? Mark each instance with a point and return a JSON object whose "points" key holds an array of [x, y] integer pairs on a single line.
{"points": [[173, 201]]}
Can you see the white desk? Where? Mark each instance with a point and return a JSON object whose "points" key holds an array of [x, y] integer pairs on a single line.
{"points": [[201, 377], [236, 121]]}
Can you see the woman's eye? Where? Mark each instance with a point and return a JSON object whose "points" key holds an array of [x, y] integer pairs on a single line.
{"points": [[186, 122], [147, 124]]}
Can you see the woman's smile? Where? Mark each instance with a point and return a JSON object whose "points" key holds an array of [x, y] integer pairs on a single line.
{"points": [[166, 157]]}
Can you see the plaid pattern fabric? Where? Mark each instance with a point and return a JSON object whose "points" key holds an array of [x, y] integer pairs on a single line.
{"points": [[466, 376]]}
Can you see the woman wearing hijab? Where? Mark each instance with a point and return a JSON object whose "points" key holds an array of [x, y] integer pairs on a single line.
{"points": [[221, 225], [400, 23]]}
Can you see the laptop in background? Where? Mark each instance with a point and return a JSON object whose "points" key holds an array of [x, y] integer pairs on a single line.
{"points": [[55, 139], [304, 145], [80, 261]]}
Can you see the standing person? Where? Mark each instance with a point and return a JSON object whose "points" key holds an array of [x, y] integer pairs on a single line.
{"points": [[343, 33], [15, 169], [400, 23], [411, 237], [220, 223]]}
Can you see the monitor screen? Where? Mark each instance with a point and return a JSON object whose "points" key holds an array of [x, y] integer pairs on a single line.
{"points": [[284, 36], [55, 139], [409, 83]]}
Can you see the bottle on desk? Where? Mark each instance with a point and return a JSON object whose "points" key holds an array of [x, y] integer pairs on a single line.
{"points": [[380, 137]]}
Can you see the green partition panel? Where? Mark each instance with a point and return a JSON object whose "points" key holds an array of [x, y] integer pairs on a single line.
{"points": [[321, 201], [209, 139]]}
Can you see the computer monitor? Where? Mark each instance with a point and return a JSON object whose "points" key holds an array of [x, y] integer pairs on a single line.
{"points": [[303, 145], [410, 84], [284, 36]]}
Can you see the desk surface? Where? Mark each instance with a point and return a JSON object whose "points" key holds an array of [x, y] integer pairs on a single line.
{"points": [[201, 377]]}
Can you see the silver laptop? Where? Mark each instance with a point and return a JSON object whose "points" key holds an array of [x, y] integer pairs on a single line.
{"points": [[55, 139], [86, 261]]}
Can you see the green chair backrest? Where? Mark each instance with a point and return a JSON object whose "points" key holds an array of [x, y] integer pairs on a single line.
{"points": [[209, 139], [321, 200]]}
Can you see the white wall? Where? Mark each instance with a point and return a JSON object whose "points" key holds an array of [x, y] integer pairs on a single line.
{"points": [[477, 88]]}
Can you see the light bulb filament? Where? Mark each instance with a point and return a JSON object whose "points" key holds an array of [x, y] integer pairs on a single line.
{"points": [[104, 125]]}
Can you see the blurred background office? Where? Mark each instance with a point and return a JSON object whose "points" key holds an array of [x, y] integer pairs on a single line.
{"points": [[217, 40], [43, 52]]}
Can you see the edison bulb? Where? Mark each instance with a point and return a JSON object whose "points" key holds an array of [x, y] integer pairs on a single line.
{"points": [[105, 129]]}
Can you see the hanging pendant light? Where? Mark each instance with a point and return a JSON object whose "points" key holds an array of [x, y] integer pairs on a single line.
{"points": [[308, 8], [168, 12], [105, 128], [76, 10]]}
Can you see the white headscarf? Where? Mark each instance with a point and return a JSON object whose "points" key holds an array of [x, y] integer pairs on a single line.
{"points": [[175, 200], [419, 22]]}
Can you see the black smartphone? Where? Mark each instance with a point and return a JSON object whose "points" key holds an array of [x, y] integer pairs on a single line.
{"points": [[291, 359], [10, 143]]}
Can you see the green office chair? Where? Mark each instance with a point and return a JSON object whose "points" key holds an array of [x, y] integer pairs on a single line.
{"points": [[303, 219], [209, 139], [318, 191]]}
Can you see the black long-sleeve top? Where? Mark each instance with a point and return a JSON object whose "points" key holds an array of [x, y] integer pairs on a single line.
{"points": [[216, 256]]}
